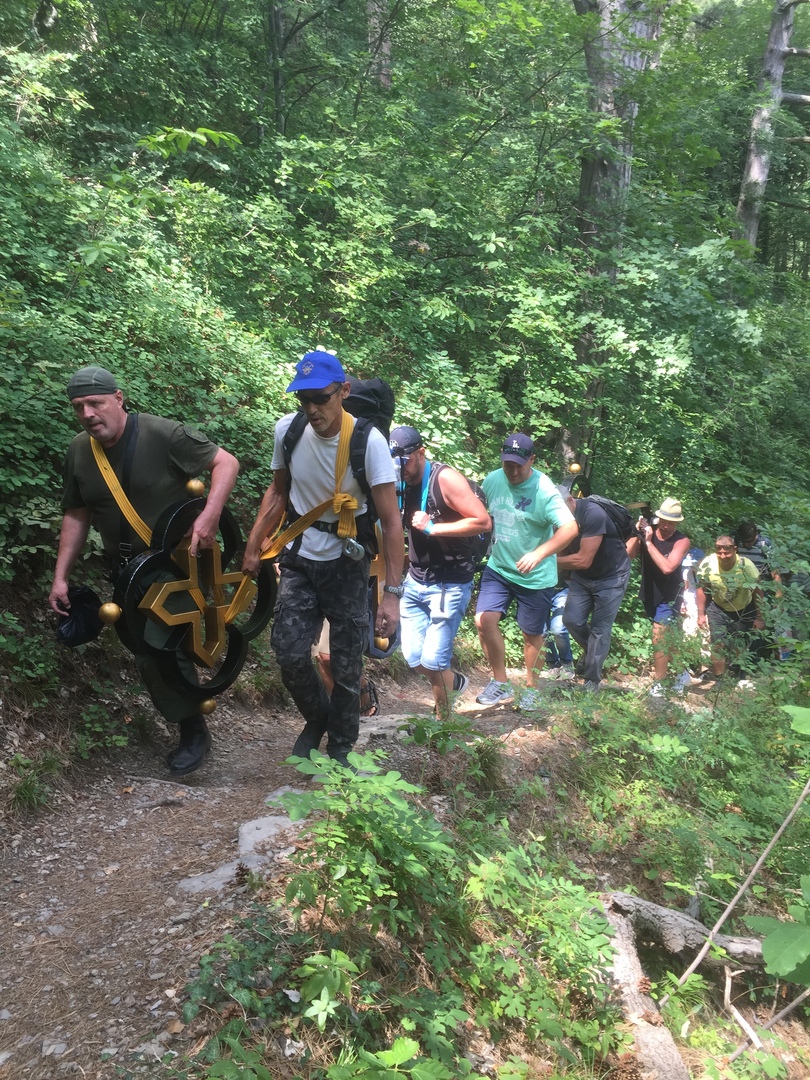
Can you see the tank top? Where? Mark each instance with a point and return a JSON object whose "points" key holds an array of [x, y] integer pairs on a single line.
{"points": [[656, 586], [435, 559]]}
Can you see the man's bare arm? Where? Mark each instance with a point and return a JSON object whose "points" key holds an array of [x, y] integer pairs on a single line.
{"points": [[583, 558], [224, 469], [385, 499], [563, 535], [460, 497], [271, 511], [72, 538]]}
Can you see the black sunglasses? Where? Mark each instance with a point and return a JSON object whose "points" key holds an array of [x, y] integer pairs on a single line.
{"points": [[317, 399], [517, 451]]}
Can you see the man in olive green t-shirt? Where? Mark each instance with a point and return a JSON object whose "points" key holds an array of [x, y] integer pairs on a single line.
{"points": [[164, 456]]}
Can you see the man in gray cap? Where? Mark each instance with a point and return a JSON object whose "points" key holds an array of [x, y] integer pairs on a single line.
{"points": [[325, 565], [153, 458]]}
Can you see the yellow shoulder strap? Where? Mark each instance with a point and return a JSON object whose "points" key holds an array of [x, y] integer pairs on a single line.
{"points": [[343, 505], [124, 505]]}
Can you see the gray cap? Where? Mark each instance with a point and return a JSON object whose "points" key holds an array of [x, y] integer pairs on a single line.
{"points": [[89, 381]]}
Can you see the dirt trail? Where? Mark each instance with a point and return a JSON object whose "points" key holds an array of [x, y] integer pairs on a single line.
{"points": [[97, 937]]}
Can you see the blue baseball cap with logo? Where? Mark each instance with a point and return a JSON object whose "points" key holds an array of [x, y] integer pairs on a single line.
{"points": [[315, 370], [517, 448]]}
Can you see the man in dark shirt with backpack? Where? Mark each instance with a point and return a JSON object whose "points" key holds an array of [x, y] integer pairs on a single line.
{"points": [[442, 516], [600, 571]]}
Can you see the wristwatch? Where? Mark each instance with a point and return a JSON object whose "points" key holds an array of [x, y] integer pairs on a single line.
{"points": [[396, 590]]}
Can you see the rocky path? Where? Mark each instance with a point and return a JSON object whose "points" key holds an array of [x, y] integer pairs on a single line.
{"points": [[108, 899]]}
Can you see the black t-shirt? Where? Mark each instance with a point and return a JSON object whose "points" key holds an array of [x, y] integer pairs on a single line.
{"points": [[656, 586], [611, 557]]}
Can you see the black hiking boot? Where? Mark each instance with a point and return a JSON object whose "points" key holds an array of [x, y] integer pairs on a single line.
{"points": [[195, 742], [309, 740]]}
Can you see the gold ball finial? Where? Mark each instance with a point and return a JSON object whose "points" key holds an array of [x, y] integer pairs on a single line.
{"points": [[381, 643], [207, 706], [195, 488], [574, 467], [109, 613]]}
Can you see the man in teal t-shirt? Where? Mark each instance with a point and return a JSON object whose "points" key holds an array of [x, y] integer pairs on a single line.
{"points": [[531, 523]]}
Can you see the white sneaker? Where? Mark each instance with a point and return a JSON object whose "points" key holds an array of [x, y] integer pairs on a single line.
{"points": [[496, 693], [657, 690], [529, 700], [460, 682], [565, 672], [682, 682]]}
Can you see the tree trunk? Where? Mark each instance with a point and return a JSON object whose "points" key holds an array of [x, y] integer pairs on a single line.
{"points": [[614, 55], [275, 50], [379, 42], [758, 161]]}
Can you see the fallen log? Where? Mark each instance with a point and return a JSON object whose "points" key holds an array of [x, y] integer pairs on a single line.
{"points": [[678, 932], [655, 1050]]}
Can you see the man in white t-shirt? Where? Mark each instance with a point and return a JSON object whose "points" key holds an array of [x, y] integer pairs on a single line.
{"points": [[322, 575]]}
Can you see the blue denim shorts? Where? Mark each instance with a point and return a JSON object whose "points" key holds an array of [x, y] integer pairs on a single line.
{"points": [[429, 618], [533, 605], [666, 613]]}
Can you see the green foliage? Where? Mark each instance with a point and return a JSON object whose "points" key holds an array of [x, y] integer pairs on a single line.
{"points": [[484, 938], [31, 789], [372, 852], [786, 947], [683, 794]]}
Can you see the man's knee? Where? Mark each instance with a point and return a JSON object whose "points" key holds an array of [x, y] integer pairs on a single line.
{"points": [[487, 621]]}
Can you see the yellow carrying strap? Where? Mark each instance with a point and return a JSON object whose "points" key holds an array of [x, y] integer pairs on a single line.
{"points": [[124, 505], [343, 505]]}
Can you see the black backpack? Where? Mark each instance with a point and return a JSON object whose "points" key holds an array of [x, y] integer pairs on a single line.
{"points": [[619, 515], [481, 543], [371, 401]]}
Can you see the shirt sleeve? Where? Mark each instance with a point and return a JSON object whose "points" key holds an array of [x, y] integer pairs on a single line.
{"points": [[190, 450], [379, 463], [71, 495], [594, 521], [555, 507]]}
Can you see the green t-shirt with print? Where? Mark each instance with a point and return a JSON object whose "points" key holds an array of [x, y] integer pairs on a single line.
{"points": [[524, 516]]}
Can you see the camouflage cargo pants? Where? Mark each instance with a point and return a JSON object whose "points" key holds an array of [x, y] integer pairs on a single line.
{"points": [[310, 592]]}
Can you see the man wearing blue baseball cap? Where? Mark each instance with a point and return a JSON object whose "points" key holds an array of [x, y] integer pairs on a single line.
{"points": [[325, 562]]}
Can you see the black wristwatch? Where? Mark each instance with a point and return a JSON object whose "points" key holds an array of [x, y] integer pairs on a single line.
{"points": [[396, 590]]}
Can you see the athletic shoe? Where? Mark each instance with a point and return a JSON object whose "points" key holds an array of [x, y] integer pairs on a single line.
{"points": [[564, 673], [529, 700], [591, 686], [657, 690], [682, 682], [496, 693], [460, 682], [550, 672]]}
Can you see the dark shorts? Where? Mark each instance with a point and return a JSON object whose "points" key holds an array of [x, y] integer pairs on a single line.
{"points": [[533, 605], [729, 624]]}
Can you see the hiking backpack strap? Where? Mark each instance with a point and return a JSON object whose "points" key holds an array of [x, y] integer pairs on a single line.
{"points": [[341, 503], [357, 453]]}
